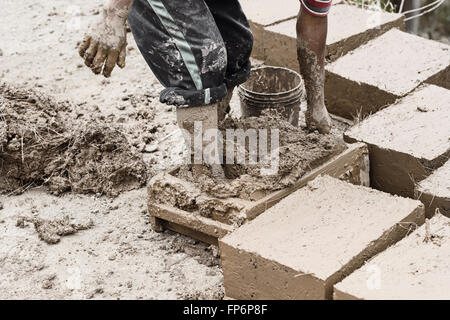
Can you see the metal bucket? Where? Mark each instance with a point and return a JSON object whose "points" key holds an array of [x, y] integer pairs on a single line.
{"points": [[272, 88]]}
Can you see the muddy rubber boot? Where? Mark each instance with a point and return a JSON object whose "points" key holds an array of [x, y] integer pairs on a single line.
{"points": [[224, 106], [189, 120]]}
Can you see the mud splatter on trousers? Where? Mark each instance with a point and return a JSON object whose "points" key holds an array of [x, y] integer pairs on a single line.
{"points": [[196, 48]]}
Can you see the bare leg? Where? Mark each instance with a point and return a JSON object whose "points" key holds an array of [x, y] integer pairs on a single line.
{"points": [[311, 42]]}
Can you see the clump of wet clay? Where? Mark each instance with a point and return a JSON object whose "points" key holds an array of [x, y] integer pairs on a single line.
{"points": [[186, 196], [300, 151], [51, 231], [47, 142]]}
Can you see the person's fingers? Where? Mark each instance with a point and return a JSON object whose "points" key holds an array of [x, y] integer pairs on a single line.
{"points": [[84, 45], [90, 53], [122, 56], [99, 60], [111, 61]]}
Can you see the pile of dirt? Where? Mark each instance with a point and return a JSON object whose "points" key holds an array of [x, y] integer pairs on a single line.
{"points": [[43, 141], [300, 151], [51, 231]]}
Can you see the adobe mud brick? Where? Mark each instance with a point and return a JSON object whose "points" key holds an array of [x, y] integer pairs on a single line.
{"points": [[387, 68], [312, 239], [261, 13], [434, 191], [408, 140], [416, 268], [267, 12], [348, 28]]}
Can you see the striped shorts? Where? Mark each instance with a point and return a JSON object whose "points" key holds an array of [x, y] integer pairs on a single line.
{"points": [[196, 48], [317, 7]]}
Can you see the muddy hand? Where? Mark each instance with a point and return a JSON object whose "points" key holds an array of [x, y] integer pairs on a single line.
{"points": [[104, 45]]}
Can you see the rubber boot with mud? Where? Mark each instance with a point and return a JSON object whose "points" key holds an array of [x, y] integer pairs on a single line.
{"points": [[198, 121], [224, 106]]}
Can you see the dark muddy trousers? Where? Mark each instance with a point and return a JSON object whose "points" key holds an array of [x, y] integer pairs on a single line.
{"points": [[196, 48]]}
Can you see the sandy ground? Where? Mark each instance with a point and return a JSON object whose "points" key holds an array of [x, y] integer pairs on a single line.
{"points": [[120, 257]]}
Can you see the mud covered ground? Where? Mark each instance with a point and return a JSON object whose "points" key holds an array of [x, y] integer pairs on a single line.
{"points": [[51, 143], [115, 255], [119, 256]]}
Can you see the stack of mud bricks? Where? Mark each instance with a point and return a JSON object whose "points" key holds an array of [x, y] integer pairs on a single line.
{"points": [[331, 240], [434, 191], [407, 142], [416, 268], [383, 70], [274, 29], [371, 61], [313, 239]]}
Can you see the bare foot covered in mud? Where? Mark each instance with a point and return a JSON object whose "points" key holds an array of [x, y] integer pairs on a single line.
{"points": [[317, 118]]}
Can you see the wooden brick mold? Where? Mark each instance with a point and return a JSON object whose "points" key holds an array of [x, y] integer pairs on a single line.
{"points": [[351, 165]]}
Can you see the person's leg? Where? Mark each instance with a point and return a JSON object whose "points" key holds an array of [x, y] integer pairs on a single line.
{"points": [[182, 45], [311, 46], [238, 38]]}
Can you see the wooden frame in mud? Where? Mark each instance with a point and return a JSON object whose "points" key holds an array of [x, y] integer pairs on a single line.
{"points": [[351, 165]]}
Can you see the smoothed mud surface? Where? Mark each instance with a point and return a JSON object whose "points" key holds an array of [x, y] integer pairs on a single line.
{"points": [[48, 142], [396, 75], [415, 268], [312, 238]]}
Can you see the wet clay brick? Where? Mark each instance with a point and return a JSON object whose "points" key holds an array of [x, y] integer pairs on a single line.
{"points": [[348, 28], [434, 191], [267, 12], [302, 246], [264, 13], [376, 74], [416, 268], [408, 140]]}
